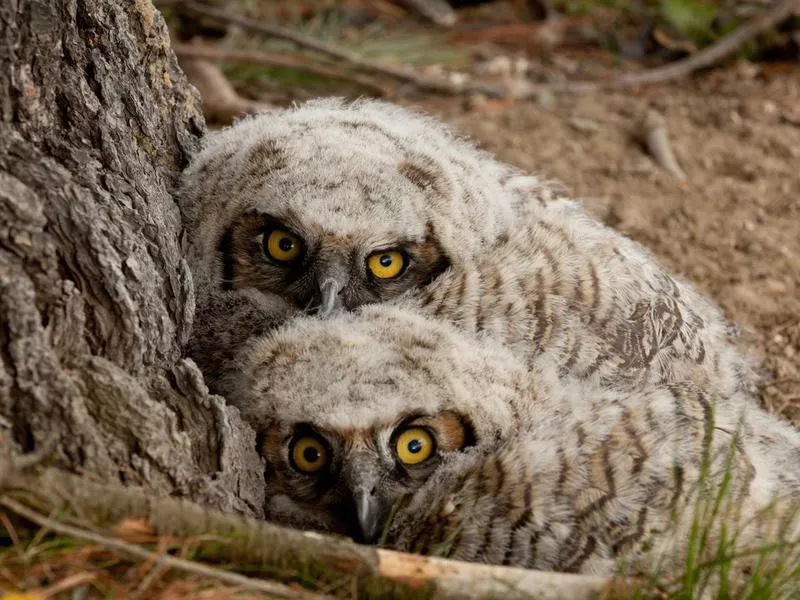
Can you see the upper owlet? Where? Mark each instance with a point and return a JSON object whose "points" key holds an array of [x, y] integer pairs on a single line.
{"points": [[383, 422], [337, 205], [333, 204]]}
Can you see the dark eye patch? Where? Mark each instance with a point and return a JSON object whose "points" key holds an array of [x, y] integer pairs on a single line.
{"points": [[425, 261], [275, 444], [245, 263]]}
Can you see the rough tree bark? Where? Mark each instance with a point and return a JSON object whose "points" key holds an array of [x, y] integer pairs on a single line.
{"points": [[96, 120]]}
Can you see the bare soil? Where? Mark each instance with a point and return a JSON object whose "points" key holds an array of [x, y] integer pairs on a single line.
{"points": [[733, 228]]}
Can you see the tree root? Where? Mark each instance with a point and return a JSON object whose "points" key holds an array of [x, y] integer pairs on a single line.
{"points": [[221, 103]]}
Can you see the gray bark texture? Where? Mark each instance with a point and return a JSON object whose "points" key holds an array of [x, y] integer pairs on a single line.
{"points": [[96, 301]]}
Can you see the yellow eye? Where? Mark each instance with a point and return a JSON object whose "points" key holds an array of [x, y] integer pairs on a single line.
{"points": [[309, 454], [386, 265], [414, 446], [282, 245]]}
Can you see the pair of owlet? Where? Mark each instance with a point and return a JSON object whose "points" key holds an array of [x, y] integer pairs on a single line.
{"points": [[332, 205], [386, 422]]}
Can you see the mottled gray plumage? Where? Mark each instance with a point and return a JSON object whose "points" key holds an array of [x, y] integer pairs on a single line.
{"points": [[532, 468], [567, 381], [485, 247], [347, 180], [596, 302]]}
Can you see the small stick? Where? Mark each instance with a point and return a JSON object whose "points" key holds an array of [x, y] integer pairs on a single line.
{"points": [[725, 46], [285, 61], [68, 582], [780, 10], [654, 130], [9, 527], [437, 12], [279, 590]]}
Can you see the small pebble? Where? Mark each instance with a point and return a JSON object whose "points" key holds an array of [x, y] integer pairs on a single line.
{"points": [[545, 99], [582, 124]]}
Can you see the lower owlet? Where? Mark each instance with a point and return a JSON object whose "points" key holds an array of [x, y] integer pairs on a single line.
{"points": [[383, 423], [331, 206]]}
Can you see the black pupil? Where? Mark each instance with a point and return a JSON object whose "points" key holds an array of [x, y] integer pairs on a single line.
{"points": [[415, 446], [386, 260], [286, 244], [311, 455]]}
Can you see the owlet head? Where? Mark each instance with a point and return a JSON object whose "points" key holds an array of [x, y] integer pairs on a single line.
{"points": [[348, 480], [357, 412], [333, 204]]}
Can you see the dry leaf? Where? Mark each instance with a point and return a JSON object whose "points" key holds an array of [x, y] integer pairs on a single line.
{"points": [[137, 531]]}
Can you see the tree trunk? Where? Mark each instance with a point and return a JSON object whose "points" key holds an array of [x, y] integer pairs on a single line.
{"points": [[96, 301]]}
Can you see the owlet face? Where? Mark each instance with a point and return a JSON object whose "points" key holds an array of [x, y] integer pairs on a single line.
{"points": [[334, 204], [356, 412], [320, 267], [349, 480]]}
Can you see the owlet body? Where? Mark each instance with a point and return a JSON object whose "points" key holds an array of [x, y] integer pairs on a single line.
{"points": [[333, 205], [484, 457]]}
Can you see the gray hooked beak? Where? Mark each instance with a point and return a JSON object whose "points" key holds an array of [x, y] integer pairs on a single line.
{"points": [[368, 510], [363, 480], [330, 300], [332, 280]]}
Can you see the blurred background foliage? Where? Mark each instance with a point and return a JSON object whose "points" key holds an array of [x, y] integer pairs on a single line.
{"points": [[492, 42]]}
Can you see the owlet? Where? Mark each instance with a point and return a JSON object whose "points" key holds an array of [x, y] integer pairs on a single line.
{"points": [[483, 457]]}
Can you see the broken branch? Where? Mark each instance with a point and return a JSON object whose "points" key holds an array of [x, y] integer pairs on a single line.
{"points": [[725, 46], [279, 550], [434, 84], [120, 546]]}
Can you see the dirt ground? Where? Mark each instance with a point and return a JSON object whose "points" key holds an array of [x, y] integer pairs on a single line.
{"points": [[733, 228]]}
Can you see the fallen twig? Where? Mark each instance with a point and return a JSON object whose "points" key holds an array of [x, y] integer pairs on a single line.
{"points": [[65, 584], [438, 12], [258, 57], [725, 46], [279, 590], [706, 57], [279, 550], [654, 135]]}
